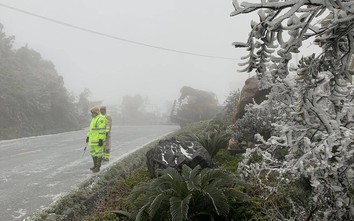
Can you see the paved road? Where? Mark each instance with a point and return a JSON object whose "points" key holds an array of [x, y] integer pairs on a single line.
{"points": [[35, 171]]}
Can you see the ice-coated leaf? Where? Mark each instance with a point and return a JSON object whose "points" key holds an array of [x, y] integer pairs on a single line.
{"points": [[239, 45], [262, 15]]}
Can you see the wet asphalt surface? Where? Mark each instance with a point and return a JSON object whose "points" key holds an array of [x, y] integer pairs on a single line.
{"points": [[35, 171]]}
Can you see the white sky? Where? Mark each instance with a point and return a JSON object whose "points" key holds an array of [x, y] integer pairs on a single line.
{"points": [[112, 68]]}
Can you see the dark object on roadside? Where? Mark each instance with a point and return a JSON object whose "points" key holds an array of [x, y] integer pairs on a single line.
{"points": [[174, 153]]}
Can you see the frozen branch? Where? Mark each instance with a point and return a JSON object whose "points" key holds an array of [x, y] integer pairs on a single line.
{"points": [[250, 7]]}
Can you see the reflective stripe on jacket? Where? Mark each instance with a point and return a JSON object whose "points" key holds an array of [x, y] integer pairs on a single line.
{"points": [[97, 130]]}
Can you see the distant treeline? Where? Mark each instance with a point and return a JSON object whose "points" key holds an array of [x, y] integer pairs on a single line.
{"points": [[33, 98]]}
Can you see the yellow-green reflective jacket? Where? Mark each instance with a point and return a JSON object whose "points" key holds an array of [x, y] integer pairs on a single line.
{"points": [[108, 119], [97, 130]]}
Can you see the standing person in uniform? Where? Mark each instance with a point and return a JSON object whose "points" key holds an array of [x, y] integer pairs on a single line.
{"points": [[96, 137], [107, 145]]}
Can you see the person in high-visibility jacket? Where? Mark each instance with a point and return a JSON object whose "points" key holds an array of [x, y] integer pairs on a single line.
{"points": [[107, 144], [96, 137]]}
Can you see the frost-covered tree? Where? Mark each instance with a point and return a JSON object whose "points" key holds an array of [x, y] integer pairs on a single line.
{"points": [[314, 103], [231, 102]]}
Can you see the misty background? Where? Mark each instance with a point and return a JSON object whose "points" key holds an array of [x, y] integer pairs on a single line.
{"points": [[111, 68]]}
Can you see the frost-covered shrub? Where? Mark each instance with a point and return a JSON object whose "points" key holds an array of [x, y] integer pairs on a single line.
{"points": [[318, 143], [315, 105], [257, 120]]}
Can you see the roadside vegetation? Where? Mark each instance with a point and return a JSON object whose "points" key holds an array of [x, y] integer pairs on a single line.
{"points": [[298, 143], [195, 193], [298, 154]]}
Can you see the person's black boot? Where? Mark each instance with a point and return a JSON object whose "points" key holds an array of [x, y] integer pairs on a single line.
{"points": [[94, 163], [98, 165]]}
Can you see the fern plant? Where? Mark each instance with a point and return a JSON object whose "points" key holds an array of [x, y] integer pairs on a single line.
{"points": [[193, 194], [212, 142]]}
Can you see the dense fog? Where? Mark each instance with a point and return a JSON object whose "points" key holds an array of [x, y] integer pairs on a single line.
{"points": [[111, 68]]}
